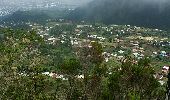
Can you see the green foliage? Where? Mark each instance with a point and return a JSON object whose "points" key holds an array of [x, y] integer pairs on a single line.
{"points": [[21, 66], [24, 56], [58, 30], [96, 53], [71, 66], [133, 81]]}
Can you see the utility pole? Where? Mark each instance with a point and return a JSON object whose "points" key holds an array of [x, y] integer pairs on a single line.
{"points": [[168, 87]]}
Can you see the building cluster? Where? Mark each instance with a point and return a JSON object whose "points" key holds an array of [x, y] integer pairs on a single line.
{"points": [[117, 40]]}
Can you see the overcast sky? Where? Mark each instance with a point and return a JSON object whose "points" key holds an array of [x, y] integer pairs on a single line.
{"points": [[71, 2], [81, 2], [76, 1]]}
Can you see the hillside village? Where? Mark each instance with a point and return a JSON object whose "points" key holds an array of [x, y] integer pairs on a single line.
{"points": [[84, 50], [118, 41]]}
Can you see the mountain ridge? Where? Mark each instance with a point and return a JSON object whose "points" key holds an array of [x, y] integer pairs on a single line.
{"points": [[144, 13]]}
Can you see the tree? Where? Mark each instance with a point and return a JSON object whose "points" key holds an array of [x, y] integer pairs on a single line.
{"points": [[71, 68], [24, 57], [93, 69], [133, 81], [22, 64]]}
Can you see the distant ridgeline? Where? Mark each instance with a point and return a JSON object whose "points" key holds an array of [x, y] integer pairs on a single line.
{"points": [[147, 13], [144, 13], [39, 16]]}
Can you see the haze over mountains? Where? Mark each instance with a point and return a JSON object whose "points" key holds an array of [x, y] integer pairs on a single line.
{"points": [[37, 2], [149, 13], [10, 6]]}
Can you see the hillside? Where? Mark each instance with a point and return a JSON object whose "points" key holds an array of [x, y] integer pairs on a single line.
{"points": [[26, 16], [36, 15], [154, 14], [59, 59]]}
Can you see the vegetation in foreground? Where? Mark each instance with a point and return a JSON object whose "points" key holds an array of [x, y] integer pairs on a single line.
{"points": [[33, 69]]}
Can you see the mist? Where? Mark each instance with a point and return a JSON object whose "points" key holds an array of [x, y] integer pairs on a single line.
{"points": [[149, 13], [18, 2], [81, 2]]}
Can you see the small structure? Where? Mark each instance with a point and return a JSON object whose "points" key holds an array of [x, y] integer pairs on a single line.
{"points": [[165, 69], [163, 53]]}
